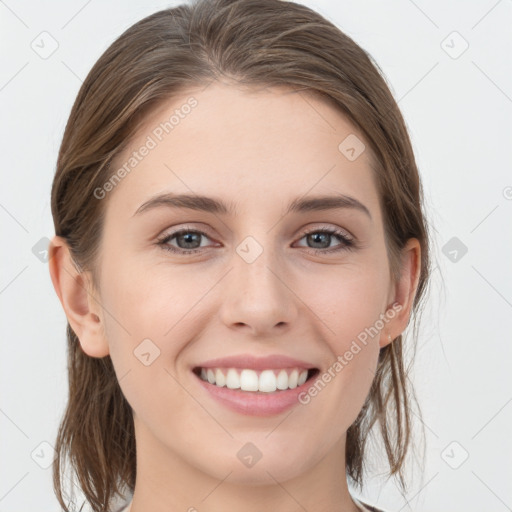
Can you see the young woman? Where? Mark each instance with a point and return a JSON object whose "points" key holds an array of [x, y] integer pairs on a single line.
{"points": [[239, 246]]}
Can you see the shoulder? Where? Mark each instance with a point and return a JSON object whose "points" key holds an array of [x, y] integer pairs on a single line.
{"points": [[367, 508], [124, 508]]}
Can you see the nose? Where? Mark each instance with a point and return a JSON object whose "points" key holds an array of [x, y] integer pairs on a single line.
{"points": [[259, 297]]}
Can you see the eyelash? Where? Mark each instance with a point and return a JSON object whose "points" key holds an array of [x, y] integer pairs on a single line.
{"points": [[347, 243]]}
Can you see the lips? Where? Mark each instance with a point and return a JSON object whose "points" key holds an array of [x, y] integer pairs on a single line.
{"points": [[247, 361], [255, 386], [260, 374]]}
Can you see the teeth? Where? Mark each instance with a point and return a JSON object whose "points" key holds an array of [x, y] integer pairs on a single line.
{"points": [[220, 380], [266, 381], [249, 380], [282, 380], [292, 379], [232, 379], [302, 378]]}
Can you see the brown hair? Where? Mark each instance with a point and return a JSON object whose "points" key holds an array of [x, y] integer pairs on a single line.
{"points": [[250, 42]]}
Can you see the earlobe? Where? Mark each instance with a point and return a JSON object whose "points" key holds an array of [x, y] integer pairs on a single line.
{"points": [[404, 291], [78, 300]]}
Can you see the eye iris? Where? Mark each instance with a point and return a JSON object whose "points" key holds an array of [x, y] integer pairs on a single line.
{"points": [[189, 239], [314, 238]]}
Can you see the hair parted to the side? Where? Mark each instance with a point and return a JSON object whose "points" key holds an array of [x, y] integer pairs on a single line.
{"points": [[251, 43]]}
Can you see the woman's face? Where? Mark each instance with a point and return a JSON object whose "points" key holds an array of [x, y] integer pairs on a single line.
{"points": [[256, 279]]}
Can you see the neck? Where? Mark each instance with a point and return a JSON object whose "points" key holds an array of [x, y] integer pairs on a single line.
{"points": [[165, 482]]}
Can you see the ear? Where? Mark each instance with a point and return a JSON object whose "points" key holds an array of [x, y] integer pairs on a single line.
{"points": [[403, 292], [78, 298]]}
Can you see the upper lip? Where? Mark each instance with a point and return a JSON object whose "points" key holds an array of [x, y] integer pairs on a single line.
{"points": [[256, 363]]}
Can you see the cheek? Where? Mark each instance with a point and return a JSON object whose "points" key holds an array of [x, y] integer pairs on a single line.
{"points": [[348, 303], [147, 324], [153, 312], [150, 301], [349, 308]]}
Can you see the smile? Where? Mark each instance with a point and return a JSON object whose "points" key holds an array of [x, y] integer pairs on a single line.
{"points": [[255, 392], [265, 381]]}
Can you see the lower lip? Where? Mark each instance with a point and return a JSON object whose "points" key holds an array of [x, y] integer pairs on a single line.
{"points": [[252, 403]]}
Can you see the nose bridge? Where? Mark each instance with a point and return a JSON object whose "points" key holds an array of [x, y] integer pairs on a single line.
{"points": [[258, 296], [256, 264]]}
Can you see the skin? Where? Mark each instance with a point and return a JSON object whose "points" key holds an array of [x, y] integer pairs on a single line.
{"points": [[261, 150]]}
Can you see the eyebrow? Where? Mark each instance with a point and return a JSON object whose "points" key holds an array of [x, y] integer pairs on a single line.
{"points": [[217, 206]]}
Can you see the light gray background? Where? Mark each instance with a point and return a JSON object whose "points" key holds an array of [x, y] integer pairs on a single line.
{"points": [[458, 107]]}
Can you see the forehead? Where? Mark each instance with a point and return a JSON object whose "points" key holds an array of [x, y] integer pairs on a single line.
{"points": [[245, 145]]}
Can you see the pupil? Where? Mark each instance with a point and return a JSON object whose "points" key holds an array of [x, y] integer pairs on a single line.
{"points": [[189, 238], [317, 235]]}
